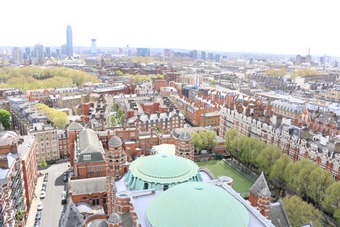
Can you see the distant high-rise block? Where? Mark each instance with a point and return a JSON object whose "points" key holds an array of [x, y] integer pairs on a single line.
{"points": [[203, 55], [93, 46], [167, 52], [143, 52], [69, 41], [17, 55], [211, 56], [28, 52], [217, 57]]}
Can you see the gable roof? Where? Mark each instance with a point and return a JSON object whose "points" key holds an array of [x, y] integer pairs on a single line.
{"points": [[260, 187], [278, 215], [89, 142], [75, 126], [72, 216]]}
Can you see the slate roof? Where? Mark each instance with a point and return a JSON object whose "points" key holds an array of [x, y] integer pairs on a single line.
{"points": [[72, 217], [115, 141], [87, 186], [260, 187], [185, 136], [90, 147], [278, 215], [75, 126]]}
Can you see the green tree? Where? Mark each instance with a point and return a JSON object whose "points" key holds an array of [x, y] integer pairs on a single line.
{"points": [[279, 168], [319, 181], [58, 118], [122, 118], [267, 158], [332, 200], [43, 163], [5, 118], [113, 121], [300, 212], [119, 73], [211, 139], [119, 112], [114, 106], [196, 141], [229, 137], [204, 139], [303, 180]]}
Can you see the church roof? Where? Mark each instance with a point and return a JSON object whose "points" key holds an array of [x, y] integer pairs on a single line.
{"points": [[87, 186], [75, 126], [196, 204], [260, 187], [72, 217], [161, 169], [115, 141]]}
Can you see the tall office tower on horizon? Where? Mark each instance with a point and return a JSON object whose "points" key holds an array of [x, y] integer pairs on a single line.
{"points": [[93, 46], [69, 41]]}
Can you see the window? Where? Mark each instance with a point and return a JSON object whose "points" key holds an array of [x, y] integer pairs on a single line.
{"points": [[87, 157], [91, 168], [95, 201]]}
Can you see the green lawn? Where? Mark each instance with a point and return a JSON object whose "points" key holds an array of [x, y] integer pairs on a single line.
{"points": [[219, 168]]}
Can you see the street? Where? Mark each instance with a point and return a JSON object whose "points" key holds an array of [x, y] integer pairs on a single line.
{"points": [[52, 203]]}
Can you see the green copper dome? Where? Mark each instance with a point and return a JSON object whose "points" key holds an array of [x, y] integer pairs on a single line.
{"points": [[156, 171], [197, 204]]}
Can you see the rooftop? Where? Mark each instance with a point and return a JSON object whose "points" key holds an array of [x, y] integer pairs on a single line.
{"points": [[196, 204]]}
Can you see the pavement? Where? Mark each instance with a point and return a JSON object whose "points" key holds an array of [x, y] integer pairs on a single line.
{"points": [[33, 210]]}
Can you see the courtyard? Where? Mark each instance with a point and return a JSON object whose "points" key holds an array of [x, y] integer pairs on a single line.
{"points": [[220, 168]]}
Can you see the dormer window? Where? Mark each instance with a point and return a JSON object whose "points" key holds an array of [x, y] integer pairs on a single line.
{"points": [[87, 157]]}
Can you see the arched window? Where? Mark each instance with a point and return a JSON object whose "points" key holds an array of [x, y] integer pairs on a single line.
{"points": [[146, 185], [166, 187]]}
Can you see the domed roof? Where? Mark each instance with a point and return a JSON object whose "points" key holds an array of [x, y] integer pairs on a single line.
{"points": [[114, 218], [115, 141], [197, 204], [161, 169], [185, 136]]}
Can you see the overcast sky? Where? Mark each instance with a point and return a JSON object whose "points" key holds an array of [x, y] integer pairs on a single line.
{"points": [[267, 26]]}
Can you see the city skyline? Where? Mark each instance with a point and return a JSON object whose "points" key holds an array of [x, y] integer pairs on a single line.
{"points": [[281, 27]]}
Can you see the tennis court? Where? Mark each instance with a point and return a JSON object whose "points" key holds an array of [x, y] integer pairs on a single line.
{"points": [[219, 168]]}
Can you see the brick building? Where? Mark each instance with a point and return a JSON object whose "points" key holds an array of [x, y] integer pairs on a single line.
{"points": [[164, 121], [89, 157], [19, 175]]}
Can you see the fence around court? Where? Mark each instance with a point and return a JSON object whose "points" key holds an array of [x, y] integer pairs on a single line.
{"points": [[241, 169]]}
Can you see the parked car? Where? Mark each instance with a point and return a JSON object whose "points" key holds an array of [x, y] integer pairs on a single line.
{"points": [[45, 178], [62, 214], [40, 206], [37, 223], [42, 195], [63, 198], [65, 177], [51, 162], [38, 215]]}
